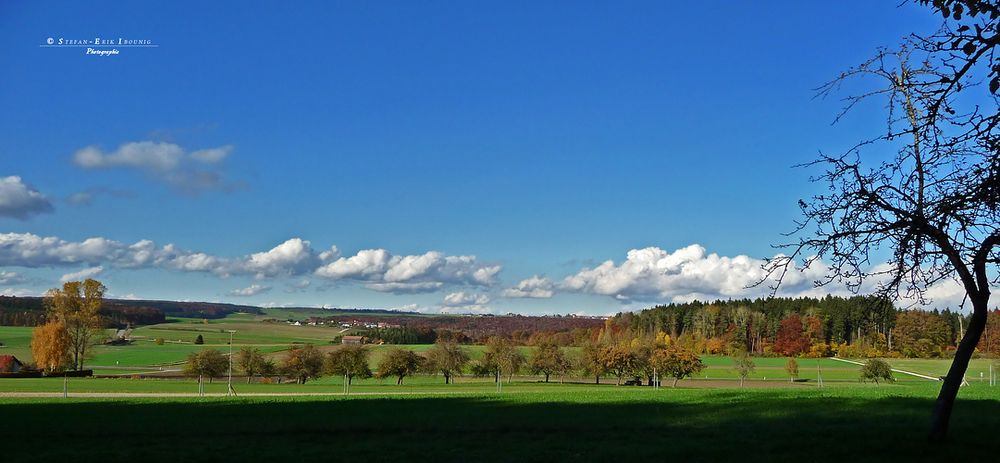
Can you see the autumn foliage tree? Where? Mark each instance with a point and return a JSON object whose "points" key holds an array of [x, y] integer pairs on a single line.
{"points": [[252, 362], [548, 359], [350, 361], [76, 306], [743, 365], [448, 358], [303, 363], [792, 368], [399, 363], [590, 362], [620, 360], [676, 362], [207, 363], [791, 340], [502, 357], [50, 347]]}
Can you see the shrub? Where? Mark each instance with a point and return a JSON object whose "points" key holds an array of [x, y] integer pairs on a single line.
{"points": [[159, 341], [877, 370], [199, 340], [792, 368]]}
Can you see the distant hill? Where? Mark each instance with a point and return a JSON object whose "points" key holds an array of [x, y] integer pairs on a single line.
{"points": [[30, 311]]}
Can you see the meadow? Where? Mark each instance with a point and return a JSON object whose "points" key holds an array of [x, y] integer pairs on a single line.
{"points": [[538, 423], [129, 413], [145, 357]]}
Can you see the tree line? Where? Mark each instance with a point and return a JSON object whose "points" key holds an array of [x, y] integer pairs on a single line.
{"points": [[501, 360], [859, 326]]}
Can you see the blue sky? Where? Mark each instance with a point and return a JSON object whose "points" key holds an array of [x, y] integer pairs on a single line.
{"points": [[460, 156]]}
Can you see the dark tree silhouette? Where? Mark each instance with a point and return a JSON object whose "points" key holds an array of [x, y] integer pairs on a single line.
{"points": [[934, 203]]}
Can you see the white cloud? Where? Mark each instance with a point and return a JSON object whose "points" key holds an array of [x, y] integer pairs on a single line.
{"points": [[415, 273], [293, 257], [251, 290], [29, 250], [653, 274], [167, 162], [534, 287], [364, 264], [82, 274], [462, 298], [21, 201]]}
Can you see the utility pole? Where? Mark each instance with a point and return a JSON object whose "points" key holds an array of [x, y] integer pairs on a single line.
{"points": [[819, 373], [229, 391]]}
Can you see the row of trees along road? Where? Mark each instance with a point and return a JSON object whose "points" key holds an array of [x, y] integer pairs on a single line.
{"points": [[501, 360], [935, 201]]}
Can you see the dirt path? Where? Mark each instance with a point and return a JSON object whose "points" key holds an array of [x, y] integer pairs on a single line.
{"points": [[918, 375]]}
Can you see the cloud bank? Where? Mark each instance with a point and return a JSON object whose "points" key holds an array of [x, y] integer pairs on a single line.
{"points": [[381, 271], [377, 269]]}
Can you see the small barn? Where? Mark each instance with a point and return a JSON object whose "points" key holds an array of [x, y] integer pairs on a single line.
{"points": [[10, 364], [352, 340]]}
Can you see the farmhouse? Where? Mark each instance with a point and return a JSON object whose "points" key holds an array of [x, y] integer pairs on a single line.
{"points": [[10, 364], [352, 340]]}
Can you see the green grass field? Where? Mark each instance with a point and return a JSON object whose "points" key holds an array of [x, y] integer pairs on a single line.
{"points": [[707, 418], [145, 356], [529, 422]]}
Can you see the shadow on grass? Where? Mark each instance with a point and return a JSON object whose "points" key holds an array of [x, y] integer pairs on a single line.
{"points": [[722, 426]]}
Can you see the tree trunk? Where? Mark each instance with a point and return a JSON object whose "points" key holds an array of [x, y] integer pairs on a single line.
{"points": [[399, 381], [446, 379], [675, 382], [546, 377], [248, 378], [597, 379], [350, 379], [956, 374]]}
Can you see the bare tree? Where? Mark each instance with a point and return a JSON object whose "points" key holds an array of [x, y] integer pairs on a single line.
{"points": [[934, 202]]}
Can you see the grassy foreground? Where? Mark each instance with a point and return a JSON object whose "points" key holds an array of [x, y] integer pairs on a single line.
{"points": [[559, 423]]}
